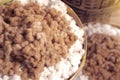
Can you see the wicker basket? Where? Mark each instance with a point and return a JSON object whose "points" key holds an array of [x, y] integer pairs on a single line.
{"points": [[97, 4], [75, 2], [91, 4], [94, 12]]}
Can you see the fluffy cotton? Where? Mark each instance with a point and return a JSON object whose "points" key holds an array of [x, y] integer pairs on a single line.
{"points": [[102, 28]]}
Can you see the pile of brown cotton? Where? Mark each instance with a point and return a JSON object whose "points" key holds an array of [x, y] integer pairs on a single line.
{"points": [[32, 37], [103, 58]]}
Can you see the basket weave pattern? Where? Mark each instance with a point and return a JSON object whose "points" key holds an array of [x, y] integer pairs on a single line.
{"points": [[93, 10]]}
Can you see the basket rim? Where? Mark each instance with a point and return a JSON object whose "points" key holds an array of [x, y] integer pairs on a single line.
{"points": [[79, 23]]}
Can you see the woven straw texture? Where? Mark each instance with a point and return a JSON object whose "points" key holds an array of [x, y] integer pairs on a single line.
{"points": [[94, 10]]}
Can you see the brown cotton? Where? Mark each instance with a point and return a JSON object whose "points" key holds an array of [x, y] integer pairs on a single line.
{"points": [[32, 37], [103, 58]]}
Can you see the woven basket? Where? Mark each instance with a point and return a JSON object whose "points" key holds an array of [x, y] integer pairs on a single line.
{"points": [[91, 4], [79, 23], [94, 13]]}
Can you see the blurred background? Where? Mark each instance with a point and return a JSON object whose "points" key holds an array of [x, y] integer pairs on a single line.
{"points": [[103, 11]]}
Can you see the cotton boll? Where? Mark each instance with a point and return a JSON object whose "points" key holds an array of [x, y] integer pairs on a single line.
{"points": [[82, 32], [59, 73], [82, 77], [53, 77], [65, 75], [113, 32], [75, 59], [71, 50], [62, 79], [5, 78], [66, 69], [78, 33], [46, 72], [43, 78], [52, 69], [60, 66], [43, 2], [15, 77], [74, 68], [107, 26], [76, 28], [72, 23], [63, 68], [68, 18], [76, 46], [59, 6], [102, 28], [82, 52], [23, 2]]}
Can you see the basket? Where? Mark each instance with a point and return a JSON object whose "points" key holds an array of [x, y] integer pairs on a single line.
{"points": [[91, 4], [93, 12], [97, 4], [79, 23], [75, 2]]}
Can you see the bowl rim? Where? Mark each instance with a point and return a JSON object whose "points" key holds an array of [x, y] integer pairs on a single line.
{"points": [[79, 23]]}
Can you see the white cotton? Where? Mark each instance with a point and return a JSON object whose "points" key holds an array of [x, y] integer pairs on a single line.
{"points": [[23, 2], [15, 77], [83, 77], [5, 77], [68, 17], [59, 73], [43, 2], [54, 77], [60, 6], [75, 59], [52, 69], [74, 69], [75, 46], [43, 78], [102, 28], [46, 72]]}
